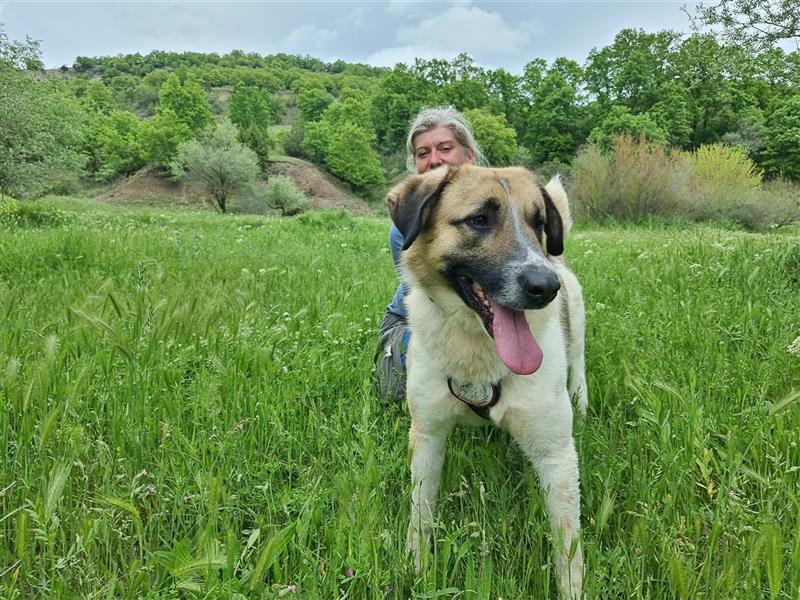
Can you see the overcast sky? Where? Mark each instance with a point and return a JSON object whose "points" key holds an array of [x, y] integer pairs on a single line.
{"points": [[495, 34]]}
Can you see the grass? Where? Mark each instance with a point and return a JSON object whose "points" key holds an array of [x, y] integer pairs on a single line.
{"points": [[188, 413]]}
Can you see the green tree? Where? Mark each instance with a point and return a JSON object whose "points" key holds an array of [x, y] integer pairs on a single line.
{"points": [[497, 140], [401, 93], [113, 145], [758, 25], [312, 102], [633, 69], [161, 135], [250, 112], [620, 121], [555, 121], [219, 162], [350, 156], [40, 126], [21, 56], [782, 153], [251, 106], [97, 98], [188, 101], [326, 141]]}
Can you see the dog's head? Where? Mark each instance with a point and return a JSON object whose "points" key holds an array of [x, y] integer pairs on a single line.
{"points": [[487, 235]]}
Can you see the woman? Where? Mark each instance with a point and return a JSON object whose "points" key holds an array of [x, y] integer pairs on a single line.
{"points": [[437, 136]]}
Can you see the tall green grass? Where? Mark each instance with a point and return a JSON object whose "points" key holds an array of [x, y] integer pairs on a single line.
{"points": [[187, 413]]}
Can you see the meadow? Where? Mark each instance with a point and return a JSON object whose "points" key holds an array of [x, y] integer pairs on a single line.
{"points": [[187, 412]]}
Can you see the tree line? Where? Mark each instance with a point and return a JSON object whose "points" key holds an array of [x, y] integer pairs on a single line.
{"points": [[107, 117]]}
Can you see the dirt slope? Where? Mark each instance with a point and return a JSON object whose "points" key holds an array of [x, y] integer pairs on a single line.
{"points": [[322, 189]]}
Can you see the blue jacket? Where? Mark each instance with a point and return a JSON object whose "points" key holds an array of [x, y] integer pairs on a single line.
{"points": [[398, 305]]}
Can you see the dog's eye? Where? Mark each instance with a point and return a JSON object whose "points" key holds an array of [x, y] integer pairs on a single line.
{"points": [[478, 222]]}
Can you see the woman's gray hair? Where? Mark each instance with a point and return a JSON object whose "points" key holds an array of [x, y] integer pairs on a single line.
{"points": [[442, 116]]}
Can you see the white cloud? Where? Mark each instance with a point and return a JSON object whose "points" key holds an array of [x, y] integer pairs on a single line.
{"points": [[389, 57], [466, 29], [309, 38]]}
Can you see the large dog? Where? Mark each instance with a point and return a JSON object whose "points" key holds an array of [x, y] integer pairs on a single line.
{"points": [[496, 319]]}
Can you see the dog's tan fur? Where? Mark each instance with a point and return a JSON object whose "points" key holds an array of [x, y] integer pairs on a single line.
{"points": [[449, 339]]}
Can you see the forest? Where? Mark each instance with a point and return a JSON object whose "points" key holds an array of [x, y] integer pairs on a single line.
{"points": [[699, 114]]}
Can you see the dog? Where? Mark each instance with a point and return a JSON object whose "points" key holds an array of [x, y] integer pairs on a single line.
{"points": [[496, 318]]}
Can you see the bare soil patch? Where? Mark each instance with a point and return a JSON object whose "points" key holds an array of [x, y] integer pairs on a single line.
{"points": [[323, 190], [149, 187]]}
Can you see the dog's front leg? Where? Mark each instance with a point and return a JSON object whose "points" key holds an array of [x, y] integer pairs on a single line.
{"points": [[556, 464], [558, 478], [427, 458]]}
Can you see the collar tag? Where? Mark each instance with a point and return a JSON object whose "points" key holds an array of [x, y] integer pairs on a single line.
{"points": [[477, 397]]}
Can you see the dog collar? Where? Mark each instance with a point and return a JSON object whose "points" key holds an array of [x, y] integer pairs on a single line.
{"points": [[480, 398]]}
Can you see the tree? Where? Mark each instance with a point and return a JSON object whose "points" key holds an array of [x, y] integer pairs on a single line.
{"points": [[219, 162], [97, 98], [40, 126], [783, 139], [350, 156], [188, 101], [312, 102], [250, 112], [497, 140], [756, 24], [113, 145], [20, 56], [620, 121], [633, 69], [343, 140], [555, 120], [161, 135]]}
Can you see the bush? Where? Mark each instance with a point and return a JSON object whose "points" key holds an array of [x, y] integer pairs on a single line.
{"points": [[14, 213], [721, 179], [762, 209], [636, 179], [293, 141], [281, 194], [640, 179]]}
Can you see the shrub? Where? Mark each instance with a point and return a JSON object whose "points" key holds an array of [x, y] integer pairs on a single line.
{"points": [[761, 209], [281, 194], [635, 179], [28, 214], [721, 178], [293, 141]]}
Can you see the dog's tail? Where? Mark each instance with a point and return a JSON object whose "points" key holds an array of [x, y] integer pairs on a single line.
{"points": [[556, 190]]}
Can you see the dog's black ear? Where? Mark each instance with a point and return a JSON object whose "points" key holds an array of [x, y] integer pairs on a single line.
{"points": [[412, 201], [554, 226]]}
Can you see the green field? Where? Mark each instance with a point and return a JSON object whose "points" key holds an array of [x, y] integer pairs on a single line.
{"points": [[187, 413]]}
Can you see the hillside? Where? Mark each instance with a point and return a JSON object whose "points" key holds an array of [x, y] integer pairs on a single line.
{"points": [[322, 189]]}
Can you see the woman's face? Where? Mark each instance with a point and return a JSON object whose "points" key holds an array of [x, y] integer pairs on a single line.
{"points": [[437, 147]]}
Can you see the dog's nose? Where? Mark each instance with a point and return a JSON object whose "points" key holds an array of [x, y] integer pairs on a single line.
{"points": [[540, 287]]}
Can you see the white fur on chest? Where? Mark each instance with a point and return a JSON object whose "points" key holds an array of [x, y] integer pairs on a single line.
{"points": [[449, 340]]}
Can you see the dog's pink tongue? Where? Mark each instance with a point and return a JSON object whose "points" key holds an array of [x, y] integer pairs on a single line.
{"points": [[514, 341]]}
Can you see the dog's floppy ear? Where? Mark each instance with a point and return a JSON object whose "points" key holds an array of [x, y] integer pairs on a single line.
{"points": [[411, 202], [553, 227], [559, 197]]}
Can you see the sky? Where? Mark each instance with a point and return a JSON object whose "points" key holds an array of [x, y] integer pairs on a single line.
{"points": [[505, 34]]}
